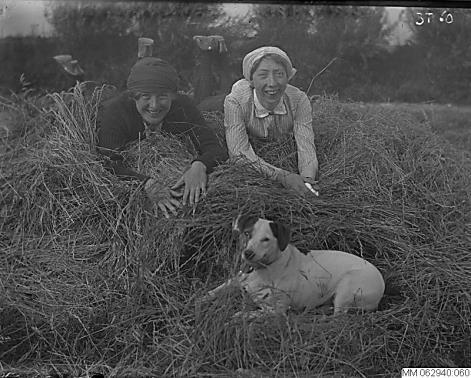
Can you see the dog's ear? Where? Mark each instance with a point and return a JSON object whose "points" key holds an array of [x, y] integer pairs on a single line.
{"points": [[242, 222], [281, 233]]}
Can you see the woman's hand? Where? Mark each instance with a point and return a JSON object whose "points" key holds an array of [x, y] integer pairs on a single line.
{"points": [[169, 204], [295, 182], [194, 181], [162, 197], [314, 184], [298, 183]]}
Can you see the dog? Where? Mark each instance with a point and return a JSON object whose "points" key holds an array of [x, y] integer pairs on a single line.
{"points": [[282, 278]]}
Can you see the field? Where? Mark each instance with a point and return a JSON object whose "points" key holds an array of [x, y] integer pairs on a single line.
{"points": [[92, 282], [450, 121]]}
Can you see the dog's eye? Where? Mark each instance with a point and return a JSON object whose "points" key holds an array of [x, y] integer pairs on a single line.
{"points": [[247, 234], [265, 239]]}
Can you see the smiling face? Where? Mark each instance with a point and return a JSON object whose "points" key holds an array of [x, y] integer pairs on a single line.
{"points": [[153, 107], [270, 80]]}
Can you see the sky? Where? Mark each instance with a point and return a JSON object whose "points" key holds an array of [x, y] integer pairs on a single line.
{"points": [[23, 17], [26, 17]]}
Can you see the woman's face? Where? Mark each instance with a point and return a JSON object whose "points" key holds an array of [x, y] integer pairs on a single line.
{"points": [[153, 107], [270, 81]]}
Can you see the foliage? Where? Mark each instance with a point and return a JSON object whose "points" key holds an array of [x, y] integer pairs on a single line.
{"points": [[445, 53], [103, 35], [32, 57], [313, 36]]}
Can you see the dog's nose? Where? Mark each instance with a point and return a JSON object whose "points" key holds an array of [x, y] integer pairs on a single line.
{"points": [[249, 254]]}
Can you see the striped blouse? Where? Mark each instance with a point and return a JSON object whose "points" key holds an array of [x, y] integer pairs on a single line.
{"points": [[244, 116]]}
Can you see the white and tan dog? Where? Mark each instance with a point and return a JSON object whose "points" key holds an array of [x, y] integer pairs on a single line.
{"points": [[282, 277]]}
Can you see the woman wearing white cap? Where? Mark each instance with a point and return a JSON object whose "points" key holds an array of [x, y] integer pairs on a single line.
{"points": [[264, 105]]}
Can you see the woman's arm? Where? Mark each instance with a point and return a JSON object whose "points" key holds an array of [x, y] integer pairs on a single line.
{"points": [[304, 136], [210, 151]]}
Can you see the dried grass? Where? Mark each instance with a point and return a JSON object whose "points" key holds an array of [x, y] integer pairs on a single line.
{"points": [[92, 282]]}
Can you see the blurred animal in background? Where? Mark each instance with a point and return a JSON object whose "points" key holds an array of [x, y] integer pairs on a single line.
{"points": [[212, 80]]}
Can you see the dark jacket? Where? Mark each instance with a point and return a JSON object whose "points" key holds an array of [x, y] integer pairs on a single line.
{"points": [[119, 122]]}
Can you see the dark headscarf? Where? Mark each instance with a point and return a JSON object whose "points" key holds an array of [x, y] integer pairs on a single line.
{"points": [[150, 75]]}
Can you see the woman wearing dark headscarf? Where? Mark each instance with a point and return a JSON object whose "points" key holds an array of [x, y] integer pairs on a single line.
{"points": [[263, 105], [152, 103]]}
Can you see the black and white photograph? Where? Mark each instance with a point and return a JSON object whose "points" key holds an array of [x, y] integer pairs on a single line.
{"points": [[235, 189]]}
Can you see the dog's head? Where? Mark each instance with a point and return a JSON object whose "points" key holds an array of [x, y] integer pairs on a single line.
{"points": [[262, 241]]}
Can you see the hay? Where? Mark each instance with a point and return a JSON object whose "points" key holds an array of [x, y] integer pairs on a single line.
{"points": [[93, 282], [162, 156]]}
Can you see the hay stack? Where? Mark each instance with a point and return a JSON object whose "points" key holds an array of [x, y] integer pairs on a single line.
{"points": [[162, 156], [100, 283]]}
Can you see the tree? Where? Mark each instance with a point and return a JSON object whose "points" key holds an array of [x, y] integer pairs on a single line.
{"points": [[314, 35], [445, 51]]}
